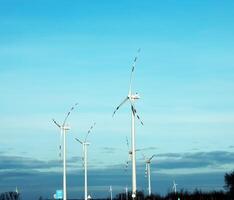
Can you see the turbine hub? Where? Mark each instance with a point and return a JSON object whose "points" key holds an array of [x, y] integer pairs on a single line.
{"points": [[134, 96], [66, 128]]}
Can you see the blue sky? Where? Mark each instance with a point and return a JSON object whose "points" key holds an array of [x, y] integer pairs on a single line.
{"points": [[56, 53]]}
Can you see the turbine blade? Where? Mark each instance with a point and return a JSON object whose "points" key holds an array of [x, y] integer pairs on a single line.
{"points": [[152, 157], [78, 140], [82, 162], [132, 71], [72, 108], [146, 170], [89, 131], [144, 149], [135, 113], [60, 144], [126, 166], [56, 123], [138, 149], [120, 105], [130, 155], [127, 143], [144, 157]]}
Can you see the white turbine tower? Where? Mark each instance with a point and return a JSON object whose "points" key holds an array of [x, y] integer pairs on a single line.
{"points": [[174, 186], [63, 128], [85, 145], [110, 192], [132, 98], [147, 171]]}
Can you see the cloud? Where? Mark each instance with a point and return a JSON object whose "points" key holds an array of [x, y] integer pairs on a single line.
{"points": [[109, 150], [166, 161], [193, 160], [11, 163], [74, 159], [18, 162]]}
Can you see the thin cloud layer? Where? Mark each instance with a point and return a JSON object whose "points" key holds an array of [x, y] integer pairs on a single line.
{"points": [[193, 160]]}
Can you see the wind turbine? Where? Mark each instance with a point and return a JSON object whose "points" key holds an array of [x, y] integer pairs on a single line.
{"points": [[147, 171], [16, 190], [130, 153], [132, 98], [174, 186], [126, 192], [85, 145], [63, 128], [110, 192]]}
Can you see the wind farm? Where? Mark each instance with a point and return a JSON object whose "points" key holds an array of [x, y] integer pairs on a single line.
{"points": [[156, 77]]}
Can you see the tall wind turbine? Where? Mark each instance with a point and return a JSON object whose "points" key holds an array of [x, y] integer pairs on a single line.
{"points": [[63, 128], [147, 171], [132, 97], [85, 145]]}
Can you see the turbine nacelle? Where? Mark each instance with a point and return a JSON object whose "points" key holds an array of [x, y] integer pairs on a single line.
{"points": [[66, 128], [148, 160], [134, 97], [130, 151]]}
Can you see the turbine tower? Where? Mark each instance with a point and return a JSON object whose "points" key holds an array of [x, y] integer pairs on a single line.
{"points": [[132, 98], [85, 145], [147, 171], [110, 192], [63, 128]]}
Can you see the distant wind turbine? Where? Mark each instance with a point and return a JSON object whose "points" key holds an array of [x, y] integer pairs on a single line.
{"points": [[63, 128], [130, 152], [110, 192], [85, 158], [126, 192], [132, 98], [174, 186], [16, 190], [147, 171]]}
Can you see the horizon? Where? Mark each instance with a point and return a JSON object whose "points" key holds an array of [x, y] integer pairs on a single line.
{"points": [[54, 54]]}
